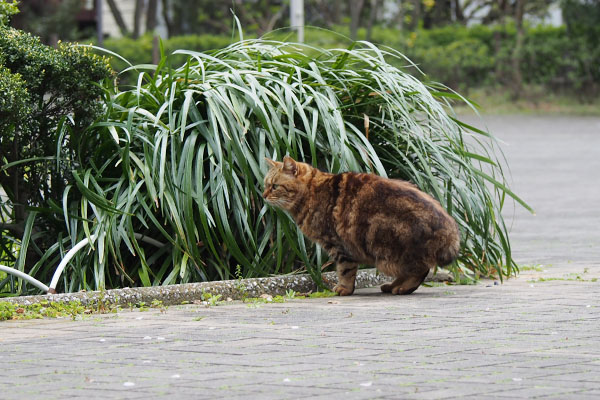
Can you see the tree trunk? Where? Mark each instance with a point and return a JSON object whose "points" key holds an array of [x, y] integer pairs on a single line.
{"points": [[502, 9], [118, 17], [137, 18], [151, 15], [167, 17], [458, 12], [355, 11], [517, 81], [372, 16], [416, 14]]}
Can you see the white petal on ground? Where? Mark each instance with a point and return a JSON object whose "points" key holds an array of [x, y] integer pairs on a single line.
{"points": [[129, 384], [366, 384], [147, 337]]}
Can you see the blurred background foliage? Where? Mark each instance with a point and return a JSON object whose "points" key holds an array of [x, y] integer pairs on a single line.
{"points": [[523, 47]]}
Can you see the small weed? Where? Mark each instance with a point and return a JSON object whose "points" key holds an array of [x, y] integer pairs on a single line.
{"points": [[464, 280], [290, 294], [239, 284], [103, 305], [43, 309], [160, 305], [569, 277], [434, 284], [254, 302], [267, 298], [535, 267], [211, 299], [325, 293]]}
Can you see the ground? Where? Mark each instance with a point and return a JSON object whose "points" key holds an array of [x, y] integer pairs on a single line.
{"points": [[534, 336]]}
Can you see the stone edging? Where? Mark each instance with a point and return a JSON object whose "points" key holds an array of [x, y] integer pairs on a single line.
{"points": [[234, 289]]}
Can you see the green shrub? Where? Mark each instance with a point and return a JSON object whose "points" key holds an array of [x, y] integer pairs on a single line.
{"points": [[201, 43], [172, 190], [583, 31], [136, 51], [559, 58], [459, 64], [47, 97], [548, 57], [461, 57], [139, 51], [14, 103], [6, 11]]}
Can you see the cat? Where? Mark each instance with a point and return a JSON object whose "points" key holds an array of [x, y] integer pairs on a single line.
{"points": [[361, 218]]}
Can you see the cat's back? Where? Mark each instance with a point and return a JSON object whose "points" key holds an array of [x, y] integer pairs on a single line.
{"points": [[380, 218], [367, 199], [380, 194]]}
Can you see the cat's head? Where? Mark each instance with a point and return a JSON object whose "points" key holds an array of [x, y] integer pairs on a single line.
{"points": [[284, 185]]}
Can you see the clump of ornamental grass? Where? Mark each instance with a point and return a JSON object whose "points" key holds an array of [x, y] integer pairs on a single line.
{"points": [[169, 180]]}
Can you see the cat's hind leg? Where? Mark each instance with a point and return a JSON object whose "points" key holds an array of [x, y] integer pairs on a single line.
{"points": [[346, 273], [407, 281]]}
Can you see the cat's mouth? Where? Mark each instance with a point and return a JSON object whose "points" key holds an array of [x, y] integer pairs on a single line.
{"points": [[266, 195], [276, 202]]}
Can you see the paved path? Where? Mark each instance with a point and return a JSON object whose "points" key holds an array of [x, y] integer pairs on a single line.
{"points": [[535, 336]]}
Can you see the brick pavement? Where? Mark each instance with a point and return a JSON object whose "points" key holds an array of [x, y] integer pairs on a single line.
{"points": [[532, 337]]}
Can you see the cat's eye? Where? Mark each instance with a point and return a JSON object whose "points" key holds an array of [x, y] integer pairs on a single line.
{"points": [[274, 186]]}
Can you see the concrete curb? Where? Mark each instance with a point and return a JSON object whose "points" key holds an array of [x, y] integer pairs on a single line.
{"points": [[234, 289]]}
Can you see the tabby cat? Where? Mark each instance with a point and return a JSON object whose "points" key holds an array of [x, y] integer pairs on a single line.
{"points": [[361, 218]]}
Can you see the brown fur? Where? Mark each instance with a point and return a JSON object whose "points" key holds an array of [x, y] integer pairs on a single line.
{"points": [[362, 218]]}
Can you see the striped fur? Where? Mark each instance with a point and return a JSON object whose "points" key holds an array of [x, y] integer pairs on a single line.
{"points": [[362, 218]]}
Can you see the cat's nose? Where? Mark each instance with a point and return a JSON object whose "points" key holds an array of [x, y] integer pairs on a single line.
{"points": [[265, 193]]}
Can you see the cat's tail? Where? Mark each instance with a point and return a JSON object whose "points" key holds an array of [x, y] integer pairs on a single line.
{"points": [[449, 252]]}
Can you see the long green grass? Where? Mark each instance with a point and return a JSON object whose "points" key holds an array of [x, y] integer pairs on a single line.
{"points": [[170, 179]]}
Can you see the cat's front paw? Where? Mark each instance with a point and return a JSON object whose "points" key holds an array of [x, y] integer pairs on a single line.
{"points": [[343, 290]]}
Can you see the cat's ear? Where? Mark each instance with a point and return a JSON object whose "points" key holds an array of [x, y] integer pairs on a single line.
{"points": [[271, 163], [290, 166]]}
